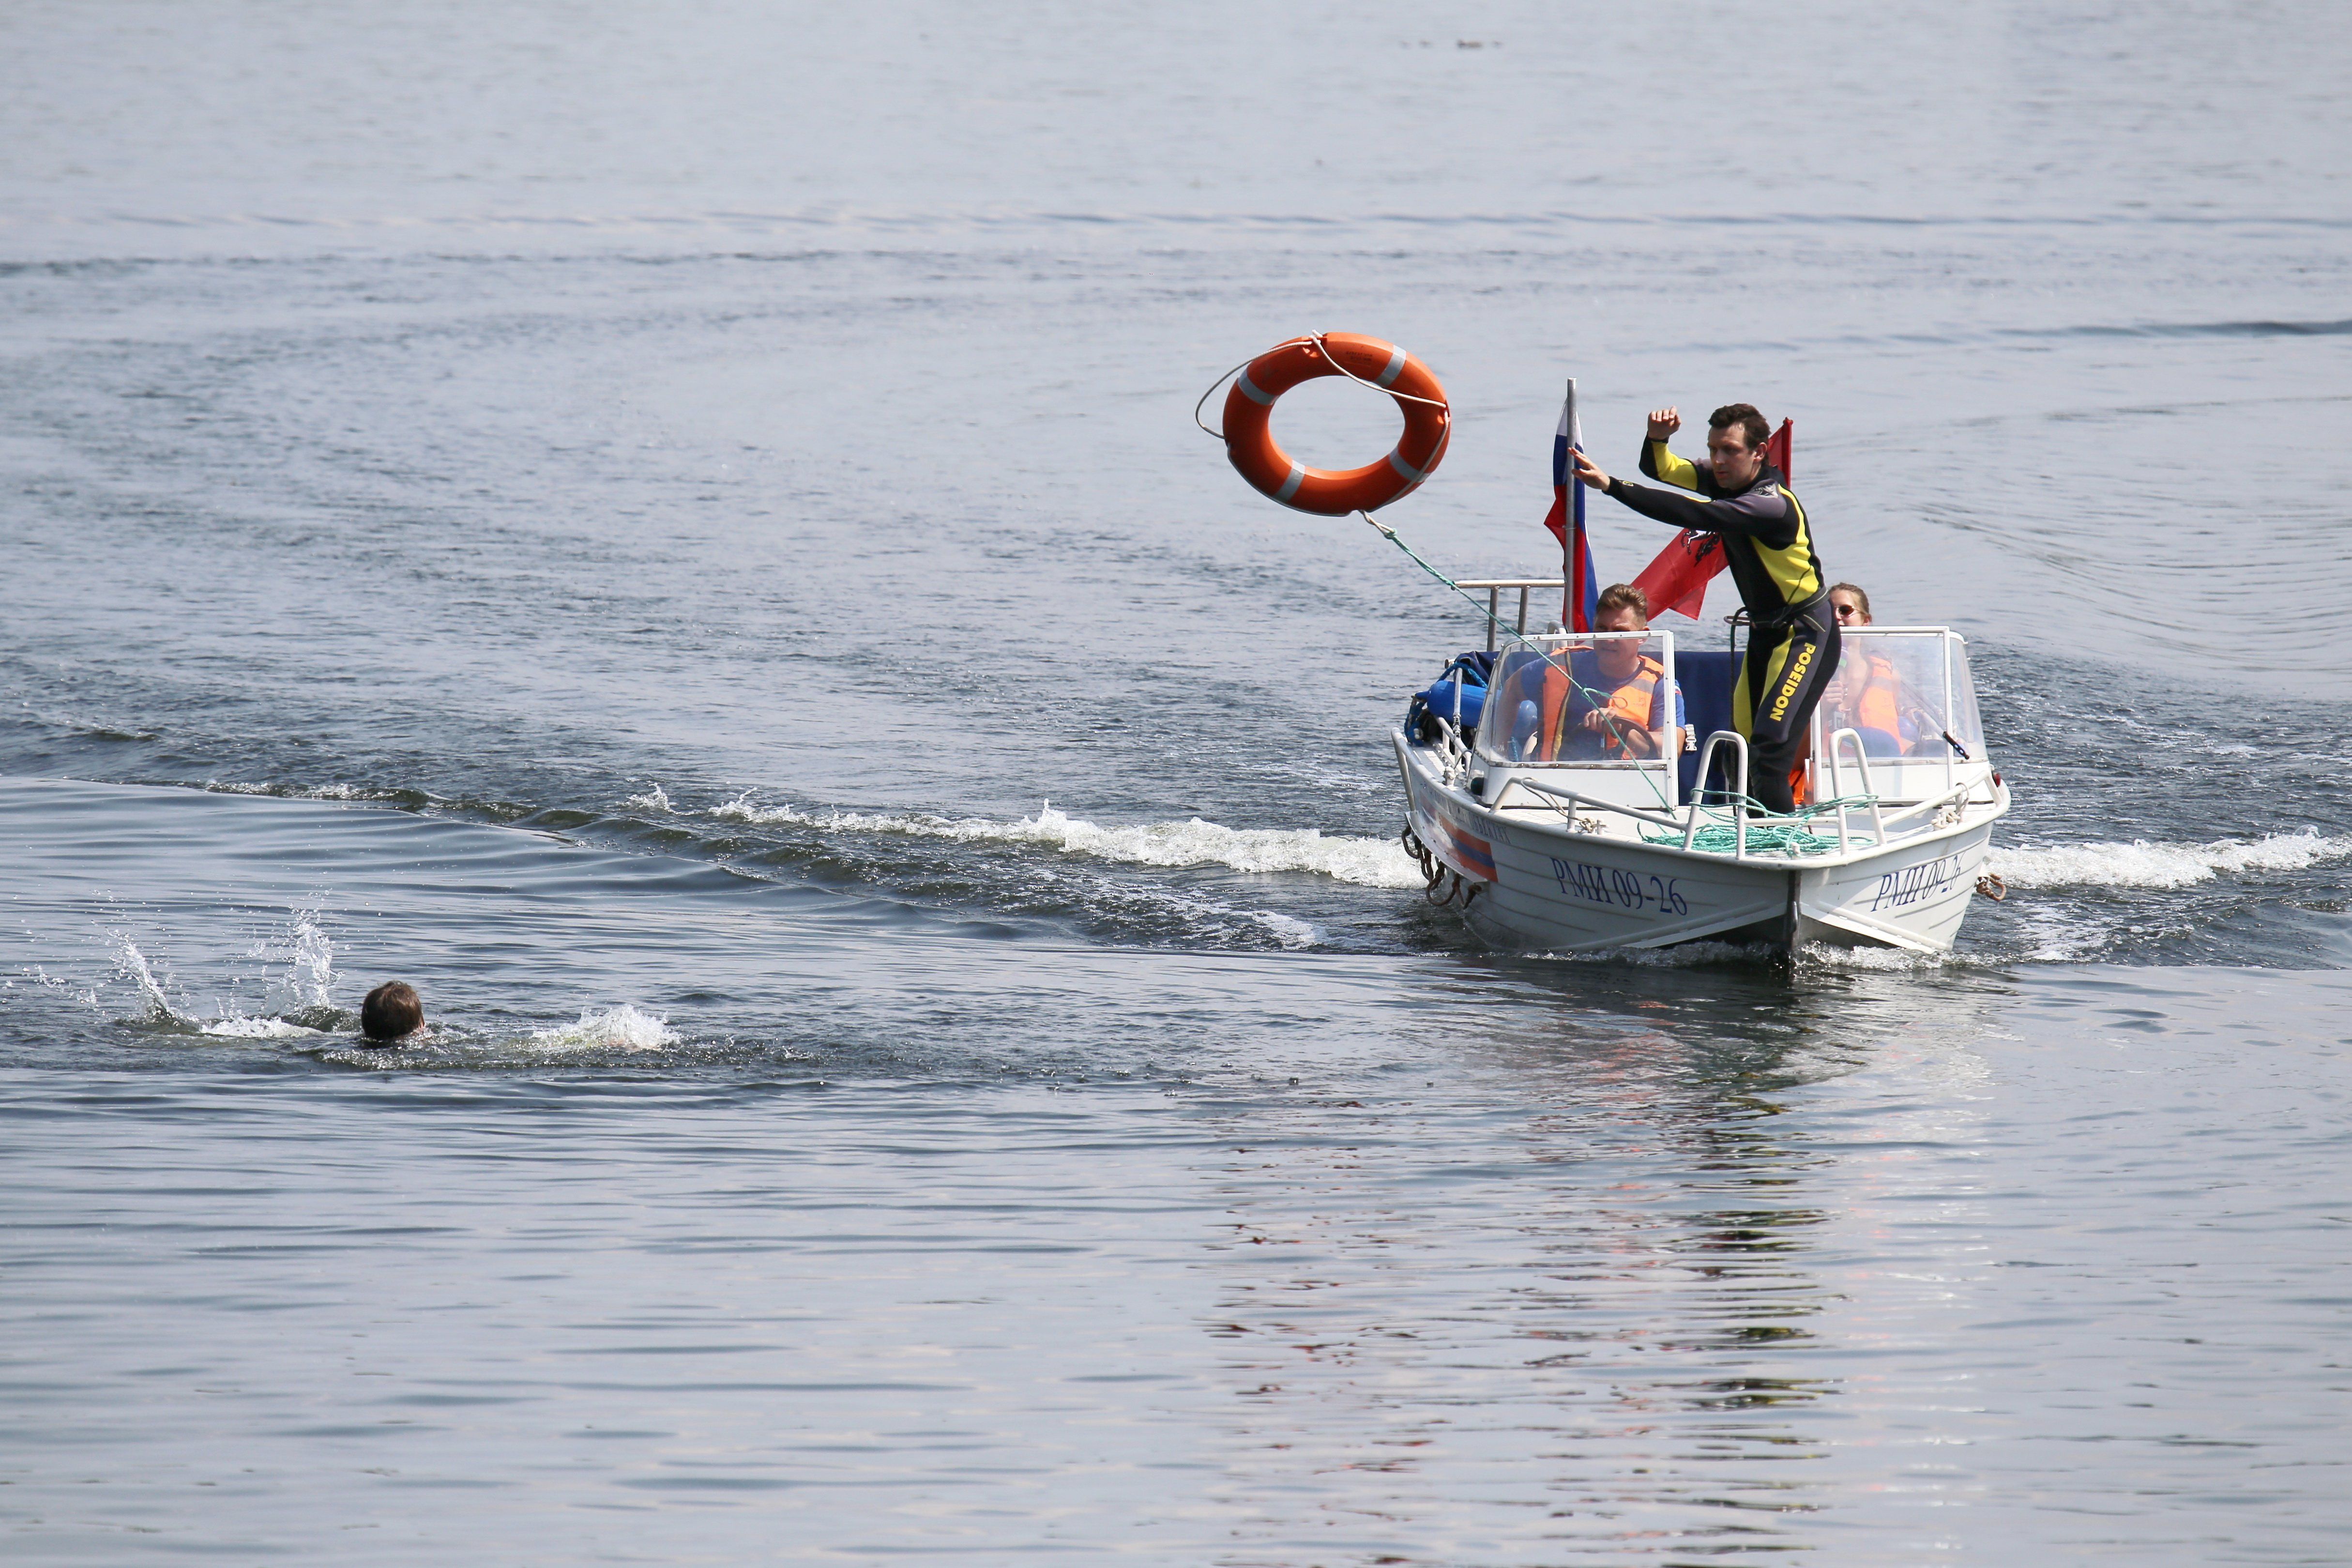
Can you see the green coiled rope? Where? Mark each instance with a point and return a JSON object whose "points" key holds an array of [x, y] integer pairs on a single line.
{"points": [[1769, 832]]}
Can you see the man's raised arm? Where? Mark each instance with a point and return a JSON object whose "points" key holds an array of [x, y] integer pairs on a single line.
{"points": [[1658, 460], [1759, 513]]}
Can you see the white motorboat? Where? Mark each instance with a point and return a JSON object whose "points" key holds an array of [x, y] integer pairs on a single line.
{"points": [[1549, 844]]}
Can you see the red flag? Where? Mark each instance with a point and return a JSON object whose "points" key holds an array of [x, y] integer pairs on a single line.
{"points": [[1677, 579]]}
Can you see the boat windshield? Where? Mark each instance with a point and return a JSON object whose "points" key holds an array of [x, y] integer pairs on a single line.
{"points": [[1587, 700], [1906, 693]]}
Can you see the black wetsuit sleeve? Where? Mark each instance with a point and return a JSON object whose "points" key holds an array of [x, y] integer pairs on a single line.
{"points": [[1761, 514]]}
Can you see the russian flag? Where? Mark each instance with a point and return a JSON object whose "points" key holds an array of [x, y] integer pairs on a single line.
{"points": [[1580, 601]]}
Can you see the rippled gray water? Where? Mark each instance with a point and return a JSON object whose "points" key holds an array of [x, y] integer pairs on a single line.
{"points": [[679, 530]]}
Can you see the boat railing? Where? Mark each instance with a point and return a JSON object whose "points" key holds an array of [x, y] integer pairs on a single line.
{"points": [[1959, 792], [1739, 797], [1496, 588], [1838, 740], [1454, 756], [1687, 820], [1559, 796], [1885, 824]]}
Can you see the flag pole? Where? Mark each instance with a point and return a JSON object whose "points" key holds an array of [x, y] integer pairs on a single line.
{"points": [[1566, 520], [1575, 519], [1576, 545]]}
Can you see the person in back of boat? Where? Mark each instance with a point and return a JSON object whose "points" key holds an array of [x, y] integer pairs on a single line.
{"points": [[1869, 695], [390, 1013], [1746, 503], [1866, 695], [1612, 704]]}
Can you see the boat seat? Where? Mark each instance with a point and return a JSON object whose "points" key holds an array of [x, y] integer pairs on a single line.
{"points": [[1706, 679]]}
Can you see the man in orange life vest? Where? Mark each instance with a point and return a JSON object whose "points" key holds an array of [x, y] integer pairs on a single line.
{"points": [[1615, 707], [1746, 503]]}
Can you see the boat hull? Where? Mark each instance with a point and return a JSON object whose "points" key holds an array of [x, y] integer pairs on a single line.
{"points": [[1537, 883]]}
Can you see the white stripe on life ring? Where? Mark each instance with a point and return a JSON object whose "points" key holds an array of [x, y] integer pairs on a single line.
{"points": [[1407, 470], [1397, 357], [1290, 486], [1250, 391]]}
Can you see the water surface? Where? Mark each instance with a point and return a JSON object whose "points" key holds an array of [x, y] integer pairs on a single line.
{"points": [[679, 530]]}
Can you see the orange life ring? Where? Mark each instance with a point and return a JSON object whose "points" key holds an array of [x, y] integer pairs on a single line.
{"points": [[1249, 414]]}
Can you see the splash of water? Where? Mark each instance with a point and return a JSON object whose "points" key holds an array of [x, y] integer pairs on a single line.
{"points": [[312, 974], [1877, 960], [236, 1027], [623, 1028], [132, 964]]}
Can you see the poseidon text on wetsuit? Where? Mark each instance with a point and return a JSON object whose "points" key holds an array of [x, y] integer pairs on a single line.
{"points": [[1792, 647]]}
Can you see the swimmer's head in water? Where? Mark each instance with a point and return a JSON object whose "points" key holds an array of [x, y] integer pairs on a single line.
{"points": [[391, 1011]]}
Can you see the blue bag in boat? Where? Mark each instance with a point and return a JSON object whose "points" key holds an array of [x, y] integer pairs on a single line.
{"points": [[1471, 670]]}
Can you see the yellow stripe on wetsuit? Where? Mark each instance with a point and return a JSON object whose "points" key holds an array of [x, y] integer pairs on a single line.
{"points": [[1679, 472], [1794, 570], [1743, 708]]}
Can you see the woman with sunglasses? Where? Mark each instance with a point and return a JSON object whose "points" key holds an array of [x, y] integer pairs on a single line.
{"points": [[1865, 696]]}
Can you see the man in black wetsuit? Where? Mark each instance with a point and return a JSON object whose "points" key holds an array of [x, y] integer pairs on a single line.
{"points": [[1746, 503]]}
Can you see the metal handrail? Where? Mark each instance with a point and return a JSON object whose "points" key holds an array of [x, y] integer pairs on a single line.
{"points": [[1562, 800], [1699, 792], [1837, 787], [1964, 788], [1638, 814], [1455, 757], [1494, 586]]}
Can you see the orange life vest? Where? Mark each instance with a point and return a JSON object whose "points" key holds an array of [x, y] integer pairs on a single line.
{"points": [[1876, 708], [1631, 704]]}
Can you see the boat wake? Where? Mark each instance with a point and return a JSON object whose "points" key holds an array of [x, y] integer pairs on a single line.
{"points": [[2141, 864], [1365, 862]]}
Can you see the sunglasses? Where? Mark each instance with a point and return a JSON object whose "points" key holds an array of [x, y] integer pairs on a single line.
{"points": [[1845, 610]]}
